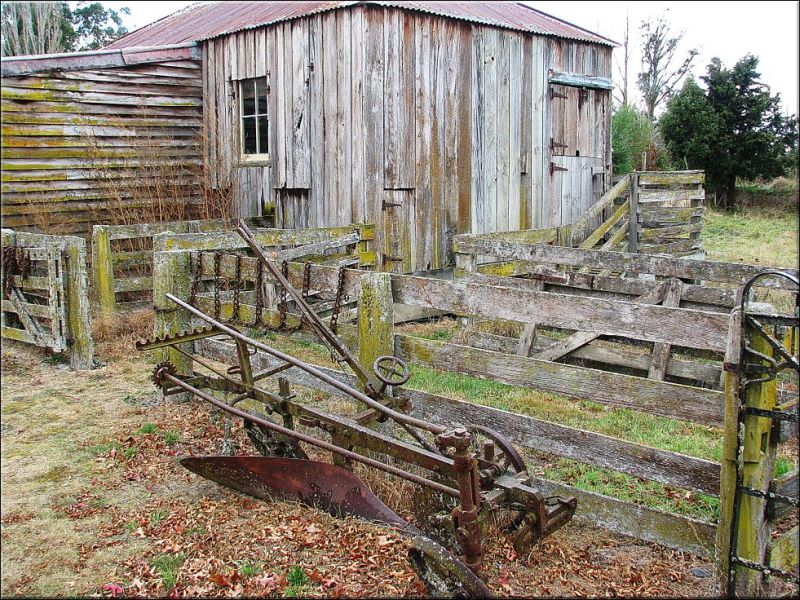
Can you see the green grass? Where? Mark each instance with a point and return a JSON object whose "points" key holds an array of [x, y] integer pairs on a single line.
{"points": [[167, 566], [172, 437], [148, 428], [297, 580], [658, 432], [248, 568], [756, 236]]}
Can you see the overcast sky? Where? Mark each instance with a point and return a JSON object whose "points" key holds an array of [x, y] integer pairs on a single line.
{"points": [[728, 30]]}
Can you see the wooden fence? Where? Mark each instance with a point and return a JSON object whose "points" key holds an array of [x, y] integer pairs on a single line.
{"points": [[122, 255], [45, 298], [631, 340], [666, 207]]}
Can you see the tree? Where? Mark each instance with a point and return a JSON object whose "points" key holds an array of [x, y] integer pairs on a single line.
{"points": [[632, 135], [33, 27], [658, 78], [622, 86], [96, 26], [753, 138], [689, 127], [52, 27]]}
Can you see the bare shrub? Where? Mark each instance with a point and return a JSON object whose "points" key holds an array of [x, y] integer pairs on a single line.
{"points": [[115, 336]]}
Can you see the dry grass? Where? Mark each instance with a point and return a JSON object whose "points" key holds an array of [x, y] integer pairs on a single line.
{"points": [[114, 336]]}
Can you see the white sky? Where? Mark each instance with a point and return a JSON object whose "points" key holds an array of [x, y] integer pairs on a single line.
{"points": [[728, 30]]}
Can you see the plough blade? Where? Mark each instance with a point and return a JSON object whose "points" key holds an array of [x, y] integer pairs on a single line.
{"points": [[321, 485], [339, 492]]}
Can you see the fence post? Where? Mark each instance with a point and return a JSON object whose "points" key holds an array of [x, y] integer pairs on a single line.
{"points": [[79, 319], [757, 462], [171, 274], [103, 270], [375, 318], [633, 215]]}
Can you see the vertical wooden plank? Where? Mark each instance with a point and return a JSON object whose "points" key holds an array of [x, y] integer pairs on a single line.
{"points": [[373, 121], [438, 93], [343, 115], [357, 114], [375, 318], [515, 132], [503, 144], [78, 315], [477, 129], [317, 124], [456, 154], [280, 89], [103, 270], [539, 156], [260, 51], [300, 176], [330, 93], [658, 366], [224, 102], [525, 126], [424, 91], [171, 274], [490, 66], [633, 215], [399, 50], [462, 101]]}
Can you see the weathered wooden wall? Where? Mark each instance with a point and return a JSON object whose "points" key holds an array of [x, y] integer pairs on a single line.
{"points": [[83, 143], [424, 125]]}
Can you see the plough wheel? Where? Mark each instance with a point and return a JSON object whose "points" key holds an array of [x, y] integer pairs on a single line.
{"points": [[442, 573]]}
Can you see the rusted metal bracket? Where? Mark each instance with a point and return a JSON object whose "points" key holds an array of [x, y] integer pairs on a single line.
{"points": [[554, 167]]}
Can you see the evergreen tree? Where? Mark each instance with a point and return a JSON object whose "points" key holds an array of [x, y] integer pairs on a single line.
{"points": [[689, 127]]}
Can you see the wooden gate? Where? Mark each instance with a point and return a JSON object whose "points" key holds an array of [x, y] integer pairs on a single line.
{"points": [[45, 294]]}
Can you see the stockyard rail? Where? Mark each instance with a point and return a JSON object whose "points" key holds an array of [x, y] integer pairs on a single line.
{"points": [[45, 294], [122, 255], [625, 330]]}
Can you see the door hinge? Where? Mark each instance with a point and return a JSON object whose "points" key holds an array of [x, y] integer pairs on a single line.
{"points": [[554, 167]]}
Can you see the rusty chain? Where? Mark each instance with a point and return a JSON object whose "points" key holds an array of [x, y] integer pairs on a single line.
{"points": [[15, 262], [259, 318], [337, 301], [217, 304]]}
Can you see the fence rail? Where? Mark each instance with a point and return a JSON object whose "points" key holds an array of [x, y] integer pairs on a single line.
{"points": [[45, 294], [122, 255], [611, 321]]}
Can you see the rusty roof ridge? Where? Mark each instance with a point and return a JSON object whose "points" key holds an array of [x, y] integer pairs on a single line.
{"points": [[549, 16], [180, 11], [26, 64]]}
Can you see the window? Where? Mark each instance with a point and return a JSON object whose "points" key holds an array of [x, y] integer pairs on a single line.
{"points": [[254, 124]]}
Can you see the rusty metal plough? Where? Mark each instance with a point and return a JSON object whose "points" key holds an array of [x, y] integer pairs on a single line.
{"points": [[473, 470]]}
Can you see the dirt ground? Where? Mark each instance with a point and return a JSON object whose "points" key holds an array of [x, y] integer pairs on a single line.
{"points": [[94, 503]]}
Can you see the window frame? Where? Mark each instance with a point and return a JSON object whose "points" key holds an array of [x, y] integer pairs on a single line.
{"points": [[257, 159]]}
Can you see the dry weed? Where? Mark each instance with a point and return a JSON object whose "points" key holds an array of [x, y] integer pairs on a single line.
{"points": [[114, 336]]}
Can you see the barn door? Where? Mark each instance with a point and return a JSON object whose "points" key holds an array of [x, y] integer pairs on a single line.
{"points": [[577, 148]]}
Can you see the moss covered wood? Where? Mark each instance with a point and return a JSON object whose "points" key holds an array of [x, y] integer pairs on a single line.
{"points": [[82, 145], [171, 275], [65, 285], [375, 318]]}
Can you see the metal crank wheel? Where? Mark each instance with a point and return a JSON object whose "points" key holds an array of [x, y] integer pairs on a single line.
{"points": [[442, 573], [391, 370]]}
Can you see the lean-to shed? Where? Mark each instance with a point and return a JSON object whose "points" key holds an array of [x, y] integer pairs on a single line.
{"points": [[425, 118]]}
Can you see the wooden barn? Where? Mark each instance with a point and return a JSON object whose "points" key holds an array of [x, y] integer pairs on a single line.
{"points": [[427, 119]]}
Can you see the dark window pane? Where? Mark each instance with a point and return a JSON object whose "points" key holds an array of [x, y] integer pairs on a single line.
{"points": [[263, 130], [248, 98], [249, 135], [261, 95]]}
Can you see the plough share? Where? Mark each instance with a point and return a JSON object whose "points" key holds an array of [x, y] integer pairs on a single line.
{"points": [[471, 471]]}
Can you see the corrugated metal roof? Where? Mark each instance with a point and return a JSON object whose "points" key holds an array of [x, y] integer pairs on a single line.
{"points": [[206, 20]]}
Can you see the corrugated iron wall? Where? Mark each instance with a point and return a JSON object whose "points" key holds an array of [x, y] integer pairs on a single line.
{"points": [[84, 146]]}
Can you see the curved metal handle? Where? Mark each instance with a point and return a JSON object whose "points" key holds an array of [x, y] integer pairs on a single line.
{"points": [[391, 370]]}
